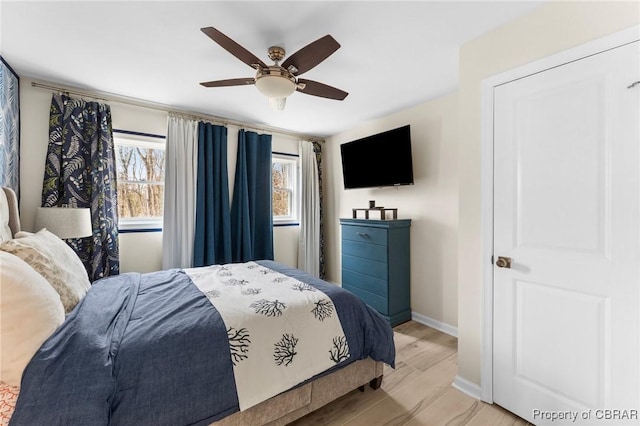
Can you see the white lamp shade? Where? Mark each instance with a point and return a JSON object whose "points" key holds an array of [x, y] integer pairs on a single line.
{"points": [[275, 86], [65, 222]]}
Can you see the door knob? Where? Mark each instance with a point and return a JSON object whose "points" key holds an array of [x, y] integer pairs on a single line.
{"points": [[503, 262]]}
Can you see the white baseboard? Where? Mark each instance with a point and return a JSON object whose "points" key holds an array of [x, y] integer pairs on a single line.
{"points": [[467, 387], [438, 325]]}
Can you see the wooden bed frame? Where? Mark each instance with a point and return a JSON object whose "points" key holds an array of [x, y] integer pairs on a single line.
{"points": [[289, 405]]}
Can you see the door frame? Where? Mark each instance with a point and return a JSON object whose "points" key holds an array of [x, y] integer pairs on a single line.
{"points": [[590, 48]]}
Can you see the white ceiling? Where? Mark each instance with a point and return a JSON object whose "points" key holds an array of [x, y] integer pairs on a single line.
{"points": [[394, 54]]}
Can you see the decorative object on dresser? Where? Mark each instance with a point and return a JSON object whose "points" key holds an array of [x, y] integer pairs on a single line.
{"points": [[376, 265], [382, 210]]}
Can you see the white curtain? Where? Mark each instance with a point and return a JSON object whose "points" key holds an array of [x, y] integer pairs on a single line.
{"points": [[309, 240], [181, 171]]}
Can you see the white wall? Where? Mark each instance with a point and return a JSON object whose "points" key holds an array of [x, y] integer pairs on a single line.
{"points": [[139, 251], [431, 203], [550, 29]]}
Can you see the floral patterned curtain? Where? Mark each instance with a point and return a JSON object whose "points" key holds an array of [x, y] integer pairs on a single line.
{"points": [[80, 172], [9, 127], [317, 149]]}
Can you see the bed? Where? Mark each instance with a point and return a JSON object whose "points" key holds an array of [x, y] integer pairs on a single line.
{"points": [[140, 348]]}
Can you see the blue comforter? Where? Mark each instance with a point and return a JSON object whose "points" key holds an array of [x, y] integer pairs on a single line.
{"points": [[151, 350]]}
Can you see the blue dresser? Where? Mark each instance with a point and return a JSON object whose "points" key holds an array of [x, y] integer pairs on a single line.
{"points": [[376, 265]]}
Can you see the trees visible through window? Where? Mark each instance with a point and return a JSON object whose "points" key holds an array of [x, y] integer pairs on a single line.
{"points": [[284, 177], [140, 168]]}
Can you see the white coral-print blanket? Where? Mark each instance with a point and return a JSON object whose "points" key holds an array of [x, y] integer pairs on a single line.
{"points": [[281, 331]]}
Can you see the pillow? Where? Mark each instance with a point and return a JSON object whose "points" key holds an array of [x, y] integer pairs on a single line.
{"points": [[30, 311], [22, 234], [5, 231], [55, 261]]}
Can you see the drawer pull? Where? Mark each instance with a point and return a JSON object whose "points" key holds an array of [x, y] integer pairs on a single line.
{"points": [[363, 234]]}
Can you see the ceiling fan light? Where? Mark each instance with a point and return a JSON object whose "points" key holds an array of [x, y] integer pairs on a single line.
{"points": [[275, 86], [277, 104]]}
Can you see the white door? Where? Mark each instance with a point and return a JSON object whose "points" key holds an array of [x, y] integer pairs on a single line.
{"points": [[567, 212]]}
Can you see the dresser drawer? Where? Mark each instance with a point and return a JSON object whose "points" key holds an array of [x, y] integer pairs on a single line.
{"points": [[365, 234], [365, 282], [365, 250], [365, 266], [376, 302]]}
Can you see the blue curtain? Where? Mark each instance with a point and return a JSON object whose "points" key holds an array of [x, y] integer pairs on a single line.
{"points": [[80, 172], [212, 243], [251, 212]]}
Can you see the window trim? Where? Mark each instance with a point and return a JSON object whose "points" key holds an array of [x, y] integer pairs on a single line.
{"points": [[294, 219], [146, 140]]}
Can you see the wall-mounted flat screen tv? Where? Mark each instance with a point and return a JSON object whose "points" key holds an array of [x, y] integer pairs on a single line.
{"points": [[379, 160]]}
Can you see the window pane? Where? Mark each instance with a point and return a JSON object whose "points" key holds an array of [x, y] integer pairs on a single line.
{"points": [[280, 175], [281, 202], [138, 200], [140, 175], [140, 164], [284, 179]]}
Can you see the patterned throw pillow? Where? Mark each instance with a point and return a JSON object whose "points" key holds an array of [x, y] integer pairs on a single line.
{"points": [[30, 311], [55, 261]]}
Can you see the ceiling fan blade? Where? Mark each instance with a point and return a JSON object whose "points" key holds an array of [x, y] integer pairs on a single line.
{"points": [[318, 89], [234, 48], [230, 82], [311, 55]]}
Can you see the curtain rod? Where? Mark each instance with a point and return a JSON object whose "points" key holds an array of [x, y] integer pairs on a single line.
{"points": [[224, 122], [111, 97], [66, 91]]}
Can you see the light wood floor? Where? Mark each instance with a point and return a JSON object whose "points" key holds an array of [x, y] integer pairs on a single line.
{"points": [[417, 392]]}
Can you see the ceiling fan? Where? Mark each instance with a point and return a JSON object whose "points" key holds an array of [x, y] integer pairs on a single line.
{"points": [[279, 81]]}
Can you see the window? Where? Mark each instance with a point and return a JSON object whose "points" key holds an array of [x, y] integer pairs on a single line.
{"points": [[284, 176], [140, 174]]}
